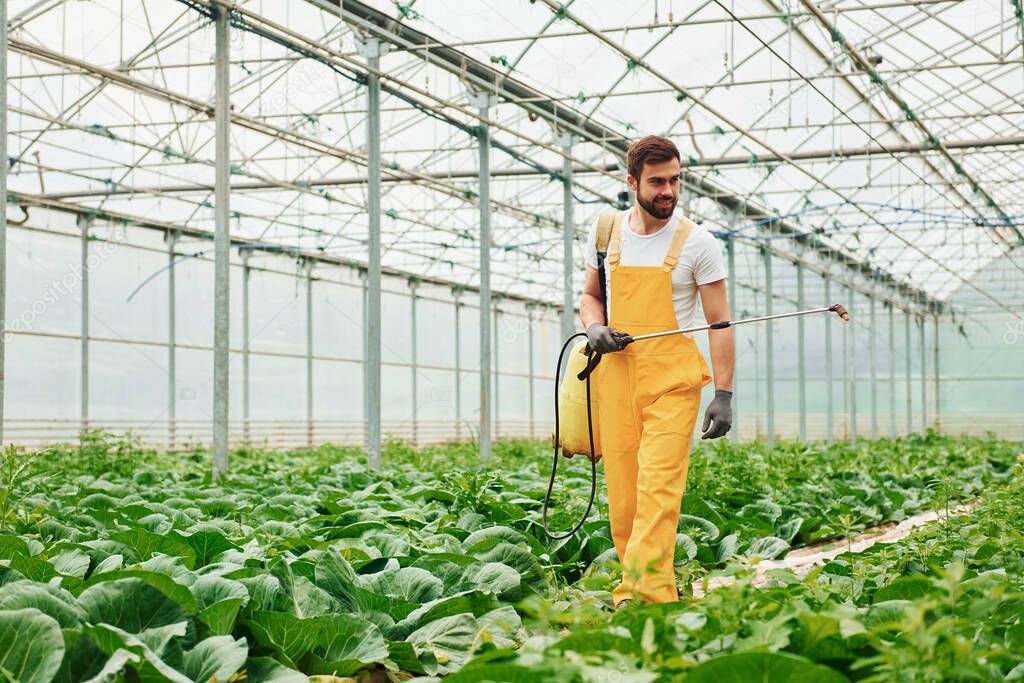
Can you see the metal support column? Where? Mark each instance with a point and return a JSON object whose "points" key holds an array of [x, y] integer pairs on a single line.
{"points": [[413, 365], [829, 399], [222, 245], [372, 49], [310, 437], [850, 368], [910, 401], [924, 375], [801, 351], [937, 420], [531, 322], [483, 102], [172, 343], [568, 238], [3, 211], [84, 223], [496, 376], [769, 346], [246, 334], [892, 371], [730, 250], [456, 292], [874, 371]]}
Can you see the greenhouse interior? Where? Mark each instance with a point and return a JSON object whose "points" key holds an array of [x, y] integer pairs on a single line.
{"points": [[287, 291]]}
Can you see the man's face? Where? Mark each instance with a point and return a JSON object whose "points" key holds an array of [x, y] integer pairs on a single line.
{"points": [[657, 188]]}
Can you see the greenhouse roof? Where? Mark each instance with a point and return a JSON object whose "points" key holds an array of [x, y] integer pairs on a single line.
{"points": [[882, 134]]}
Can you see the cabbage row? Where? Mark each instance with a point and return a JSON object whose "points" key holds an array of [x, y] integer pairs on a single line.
{"points": [[121, 564]]}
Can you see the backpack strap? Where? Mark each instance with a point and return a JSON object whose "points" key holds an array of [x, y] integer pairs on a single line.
{"points": [[683, 231], [615, 242], [604, 233], [604, 230]]}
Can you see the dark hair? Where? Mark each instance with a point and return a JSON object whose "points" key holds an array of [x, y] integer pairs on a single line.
{"points": [[652, 149]]}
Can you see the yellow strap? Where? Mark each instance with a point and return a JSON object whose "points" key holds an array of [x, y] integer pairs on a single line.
{"points": [[604, 229], [678, 241], [615, 243]]}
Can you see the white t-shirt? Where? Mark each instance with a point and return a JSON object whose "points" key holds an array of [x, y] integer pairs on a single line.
{"points": [[699, 263]]}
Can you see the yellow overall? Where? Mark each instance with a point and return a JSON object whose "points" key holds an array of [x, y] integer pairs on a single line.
{"points": [[650, 397]]}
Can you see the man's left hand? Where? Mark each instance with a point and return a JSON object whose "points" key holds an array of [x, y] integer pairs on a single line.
{"points": [[718, 415]]}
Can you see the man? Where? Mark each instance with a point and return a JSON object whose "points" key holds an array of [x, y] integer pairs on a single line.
{"points": [[656, 264]]}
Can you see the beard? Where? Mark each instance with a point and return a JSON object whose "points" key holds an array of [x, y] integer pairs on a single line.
{"points": [[660, 211]]}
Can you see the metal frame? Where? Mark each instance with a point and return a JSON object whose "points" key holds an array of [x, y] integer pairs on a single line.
{"points": [[502, 219]]}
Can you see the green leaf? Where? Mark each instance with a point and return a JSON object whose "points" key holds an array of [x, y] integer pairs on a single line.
{"points": [[492, 535], [904, 588], [288, 635], [699, 529], [50, 600], [31, 646], [492, 577], [409, 584], [129, 604], [71, 562], [763, 667], [150, 665], [448, 640], [268, 670], [726, 548], [158, 580], [219, 601], [216, 658], [686, 549], [144, 544], [788, 530], [333, 573], [768, 548], [345, 644], [207, 544]]}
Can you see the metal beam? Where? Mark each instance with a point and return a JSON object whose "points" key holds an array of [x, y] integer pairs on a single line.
{"points": [[801, 353], [84, 223], [730, 250], [829, 417], [568, 240], [935, 372], [910, 402], [222, 246], [172, 342], [486, 77], [924, 376], [892, 371], [853, 152], [926, 132], [872, 347], [483, 102], [310, 437], [371, 49], [769, 345], [3, 213], [850, 367], [414, 362], [456, 295], [246, 351]]}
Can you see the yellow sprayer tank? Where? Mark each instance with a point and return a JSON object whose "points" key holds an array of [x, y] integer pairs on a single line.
{"points": [[572, 405]]}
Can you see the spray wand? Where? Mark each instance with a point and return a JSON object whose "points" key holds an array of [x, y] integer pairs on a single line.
{"points": [[625, 340]]}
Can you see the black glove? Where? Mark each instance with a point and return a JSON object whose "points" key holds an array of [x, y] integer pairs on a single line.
{"points": [[719, 411], [604, 339]]}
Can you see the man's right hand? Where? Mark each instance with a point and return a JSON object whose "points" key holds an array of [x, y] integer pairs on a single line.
{"points": [[604, 339]]}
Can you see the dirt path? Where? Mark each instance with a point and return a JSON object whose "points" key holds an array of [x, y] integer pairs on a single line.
{"points": [[803, 559]]}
